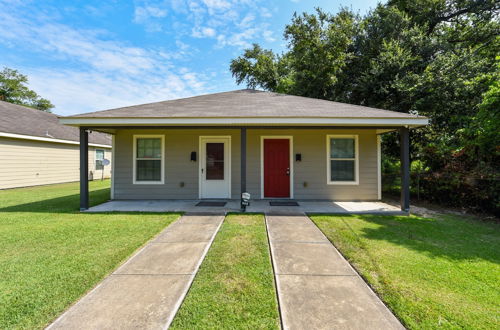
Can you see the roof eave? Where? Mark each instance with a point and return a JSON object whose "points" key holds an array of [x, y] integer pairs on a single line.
{"points": [[243, 121], [48, 139]]}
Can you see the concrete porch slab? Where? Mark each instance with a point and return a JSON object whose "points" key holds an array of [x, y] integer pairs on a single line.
{"points": [[257, 206]]}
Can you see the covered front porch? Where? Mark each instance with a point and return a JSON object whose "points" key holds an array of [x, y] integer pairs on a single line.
{"points": [[305, 174], [256, 206], [247, 143]]}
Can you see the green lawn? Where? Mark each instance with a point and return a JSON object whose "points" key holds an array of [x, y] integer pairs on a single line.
{"points": [[50, 254], [442, 272], [234, 288]]}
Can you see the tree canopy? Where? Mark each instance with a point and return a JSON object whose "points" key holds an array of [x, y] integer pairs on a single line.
{"points": [[13, 89], [430, 57]]}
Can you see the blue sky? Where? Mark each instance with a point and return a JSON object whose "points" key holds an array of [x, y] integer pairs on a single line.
{"points": [[95, 55]]}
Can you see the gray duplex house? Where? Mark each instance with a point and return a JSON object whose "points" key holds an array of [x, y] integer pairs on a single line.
{"points": [[274, 146]]}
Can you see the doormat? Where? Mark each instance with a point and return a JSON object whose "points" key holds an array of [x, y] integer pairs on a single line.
{"points": [[211, 204], [284, 203]]}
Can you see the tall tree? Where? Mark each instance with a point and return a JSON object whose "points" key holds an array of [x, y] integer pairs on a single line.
{"points": [[13, 89], [431, 57], [396, 57]]}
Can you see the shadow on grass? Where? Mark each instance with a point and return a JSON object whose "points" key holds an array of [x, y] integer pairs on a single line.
{"points": [[63, 204], [443, 236]]}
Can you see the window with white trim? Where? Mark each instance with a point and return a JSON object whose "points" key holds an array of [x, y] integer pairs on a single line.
{"points": [[342, 156], [99, 157], [148, 158]]}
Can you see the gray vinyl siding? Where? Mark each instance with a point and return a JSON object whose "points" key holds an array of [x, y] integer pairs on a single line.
{"points": [[178, 167], [25, 163], [311, 144], [179, 143]]}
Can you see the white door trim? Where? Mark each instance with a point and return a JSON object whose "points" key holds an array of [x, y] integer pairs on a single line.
{"points": [[227, 160], [267, 137]]}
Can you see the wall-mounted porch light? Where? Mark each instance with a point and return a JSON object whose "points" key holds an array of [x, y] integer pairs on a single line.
{"points": [[298, 157], [193, 156]]}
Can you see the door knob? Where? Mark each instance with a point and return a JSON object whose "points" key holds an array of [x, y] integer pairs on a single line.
{"points": [[288, 171]]}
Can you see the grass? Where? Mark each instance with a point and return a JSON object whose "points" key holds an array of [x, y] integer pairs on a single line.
{"points": [[440, 272], [51, 254], [234, 288]]}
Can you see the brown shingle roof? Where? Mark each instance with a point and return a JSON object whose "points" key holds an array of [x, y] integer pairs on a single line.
{"points": [[17, 119], [246, 103]]}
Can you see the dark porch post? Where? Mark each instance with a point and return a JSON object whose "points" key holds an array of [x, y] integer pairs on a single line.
{"points": [[404, 141], [243, 159], [84, 169]]}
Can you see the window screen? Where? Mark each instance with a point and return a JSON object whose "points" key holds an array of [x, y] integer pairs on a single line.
{"points": [[342, 159], [99, 157], [148, 159]]}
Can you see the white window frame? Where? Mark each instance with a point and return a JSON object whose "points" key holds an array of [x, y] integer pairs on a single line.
{"points": [[95, 158], [162, 166], [356, 160]]}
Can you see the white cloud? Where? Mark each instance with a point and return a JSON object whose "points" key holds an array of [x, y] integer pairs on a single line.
{"points": [[193, 80], [179, 6], [204, 32], [148, 15], [247, 21], [142, 13], [265, 13], [84, 46], [236, 21], [217, 5], [268, 35], [242, 39], [229, 22], [182, 46], [95, 72], [76, 91]]}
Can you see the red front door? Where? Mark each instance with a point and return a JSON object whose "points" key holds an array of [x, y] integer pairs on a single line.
{"points": [[277, 168]]}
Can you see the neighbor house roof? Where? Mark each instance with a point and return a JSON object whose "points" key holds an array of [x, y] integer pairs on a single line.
{"points": [[17, 121], [244, 107]]}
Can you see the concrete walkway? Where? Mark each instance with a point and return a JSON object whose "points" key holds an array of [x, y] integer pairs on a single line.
{"points": [[147, 290], [317, 287]]}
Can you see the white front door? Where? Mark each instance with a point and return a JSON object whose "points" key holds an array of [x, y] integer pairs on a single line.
{"points": [[215, 167]]}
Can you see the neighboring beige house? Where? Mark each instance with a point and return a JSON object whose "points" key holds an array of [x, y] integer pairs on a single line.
{"points": [[274, 146], [35, 149]]}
